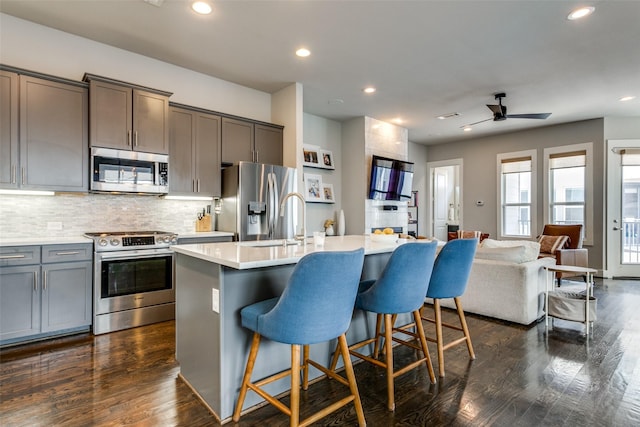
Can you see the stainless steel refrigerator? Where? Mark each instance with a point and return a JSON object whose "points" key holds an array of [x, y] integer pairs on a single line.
{"points": [[251, 197]]}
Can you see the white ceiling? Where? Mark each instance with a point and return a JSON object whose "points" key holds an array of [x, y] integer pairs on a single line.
{"points": [[426, 58]]}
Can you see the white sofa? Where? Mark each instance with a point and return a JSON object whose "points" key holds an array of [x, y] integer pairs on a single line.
{"points": [[506, 283]]}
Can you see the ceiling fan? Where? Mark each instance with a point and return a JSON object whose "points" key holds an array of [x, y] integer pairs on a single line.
{"points": [[500, 112]]}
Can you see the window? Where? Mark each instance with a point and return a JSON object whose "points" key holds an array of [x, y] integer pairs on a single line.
{"points": [[517, 194], [568, 190]]}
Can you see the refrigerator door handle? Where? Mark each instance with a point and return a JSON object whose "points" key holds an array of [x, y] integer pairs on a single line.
{"points": [[270, 202], [276, 205]]}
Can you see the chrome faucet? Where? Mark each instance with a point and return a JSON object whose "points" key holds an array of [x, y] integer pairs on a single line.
{"points": [[302, 236]]}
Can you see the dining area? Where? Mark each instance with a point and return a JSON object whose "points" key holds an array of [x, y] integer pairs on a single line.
{"points": [[306, 315]]}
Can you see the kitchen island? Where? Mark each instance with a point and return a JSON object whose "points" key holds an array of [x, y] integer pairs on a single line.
{"points": [[215, 281]]}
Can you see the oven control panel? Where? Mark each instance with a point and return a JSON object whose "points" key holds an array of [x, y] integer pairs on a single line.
{"points": [[130, 241]]}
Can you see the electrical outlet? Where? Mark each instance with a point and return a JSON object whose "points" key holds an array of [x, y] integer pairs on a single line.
{"points": [[54, 225], [215, 300]]}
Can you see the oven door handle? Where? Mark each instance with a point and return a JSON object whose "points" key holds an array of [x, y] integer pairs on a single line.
{"points": [[135, 254]]}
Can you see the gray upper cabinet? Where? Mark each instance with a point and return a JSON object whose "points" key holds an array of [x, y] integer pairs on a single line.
{"points": [[8, 129], [54, 153], [237, 141], [194, 142], [44, 133], [128, 117], [250, 142], [268, 144]]}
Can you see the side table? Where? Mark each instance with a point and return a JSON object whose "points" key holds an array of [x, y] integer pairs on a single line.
{"points": [[589, 292]]}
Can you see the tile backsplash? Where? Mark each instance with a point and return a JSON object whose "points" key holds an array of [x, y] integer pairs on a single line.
{"points": [[68, 215]]}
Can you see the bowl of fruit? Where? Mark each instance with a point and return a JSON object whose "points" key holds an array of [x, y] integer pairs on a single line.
{"points": [[386, 235]]}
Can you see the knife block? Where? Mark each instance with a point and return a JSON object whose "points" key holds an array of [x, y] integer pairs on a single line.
{"points": [[204, 224]]}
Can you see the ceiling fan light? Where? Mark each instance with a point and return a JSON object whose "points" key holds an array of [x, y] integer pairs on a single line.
{"points": [[303, 52], [581, 13]]}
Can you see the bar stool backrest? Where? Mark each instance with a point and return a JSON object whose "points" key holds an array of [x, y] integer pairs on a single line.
{"points": [[452, 268]]}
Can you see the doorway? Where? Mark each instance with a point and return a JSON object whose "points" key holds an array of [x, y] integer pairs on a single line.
{"points": [[622, 230], [445, 203]]}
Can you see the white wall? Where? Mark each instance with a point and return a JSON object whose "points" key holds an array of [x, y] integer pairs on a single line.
{"points": [[34, 47], [326, 134]]}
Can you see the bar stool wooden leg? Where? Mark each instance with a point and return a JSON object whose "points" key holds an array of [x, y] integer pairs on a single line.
{"points": [[388, 345], [253, 354], [305, 367], [465, 329], [423, 342], [376, 347], [353, 386], [295, 386], [439, 337]]}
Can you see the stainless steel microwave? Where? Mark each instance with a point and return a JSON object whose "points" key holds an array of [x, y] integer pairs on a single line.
{"points": [[129, 171]]}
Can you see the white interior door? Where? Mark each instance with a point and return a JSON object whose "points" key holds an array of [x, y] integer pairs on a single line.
{"points": [[622, 230], [444, 207]]}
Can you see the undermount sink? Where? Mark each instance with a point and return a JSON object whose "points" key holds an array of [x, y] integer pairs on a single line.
{"points": [[268, 243]]}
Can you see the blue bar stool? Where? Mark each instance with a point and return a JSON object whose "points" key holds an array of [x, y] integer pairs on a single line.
{"points": [[449, 280], [399, 289], [316, 306]]}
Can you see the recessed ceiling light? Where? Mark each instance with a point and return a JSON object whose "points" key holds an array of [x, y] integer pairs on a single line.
{"points": [[303, 52], [467, 128], [627, 98], [580, 13], [201, 7], [397, 120], [369, 89]]}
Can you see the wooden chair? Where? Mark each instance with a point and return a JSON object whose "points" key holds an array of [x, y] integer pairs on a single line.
{"points": [[449, 280], [399, 289], [316, 306]]}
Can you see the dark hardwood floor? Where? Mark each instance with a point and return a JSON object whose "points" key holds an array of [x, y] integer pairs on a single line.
{"points": [[521, 377]]}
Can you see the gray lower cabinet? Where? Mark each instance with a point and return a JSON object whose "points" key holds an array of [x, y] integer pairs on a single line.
{"points": [[44, 134], [194, 150], [44, 290]]}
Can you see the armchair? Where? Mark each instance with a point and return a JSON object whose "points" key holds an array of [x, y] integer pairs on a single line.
{"points": [[570, 252]]}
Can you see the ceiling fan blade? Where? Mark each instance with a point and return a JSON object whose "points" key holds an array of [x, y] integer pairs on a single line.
{"points": [[495, 108], [529, 116], [473, 124]]}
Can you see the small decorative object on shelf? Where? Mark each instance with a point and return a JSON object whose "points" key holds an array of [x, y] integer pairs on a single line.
{"points": [[341, 224], [328, 227]]}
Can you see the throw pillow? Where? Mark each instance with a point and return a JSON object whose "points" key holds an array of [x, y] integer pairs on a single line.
{"points": [[550, 244], [515, 254], [532, 249]]}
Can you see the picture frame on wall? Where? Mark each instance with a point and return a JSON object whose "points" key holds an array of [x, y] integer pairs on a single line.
{"points": [[317, 157], [326, 158], [311, 156], [328, 194], [313, 190]]}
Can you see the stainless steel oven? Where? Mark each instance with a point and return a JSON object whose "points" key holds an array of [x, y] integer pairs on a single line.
{"points": [[133, 279]]}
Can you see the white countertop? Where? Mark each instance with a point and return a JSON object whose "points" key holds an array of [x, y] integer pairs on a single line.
{"points": [[240, 256], [44, 240]]}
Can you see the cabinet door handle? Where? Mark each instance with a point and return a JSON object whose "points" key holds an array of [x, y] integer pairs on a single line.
{"points": [[198, 188], [24, 176], [44, 280], [11, 256], [13, 174], [68, 253], [135, 138], [35, 281], [129, 138], [257, 158]]}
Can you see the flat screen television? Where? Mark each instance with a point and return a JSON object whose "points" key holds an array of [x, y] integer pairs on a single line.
{"points": [[390, 179]]}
